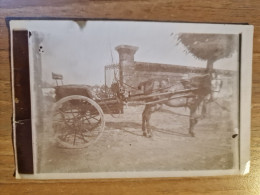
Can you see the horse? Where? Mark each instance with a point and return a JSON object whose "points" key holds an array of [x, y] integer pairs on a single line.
{"points": [[198, 95]]}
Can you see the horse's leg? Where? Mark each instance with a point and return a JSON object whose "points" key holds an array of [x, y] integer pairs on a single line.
{"points": [[193, 119], [146, 116], [143, 123], [144, 119], [148, 127], [204, 109], [152, 109]]}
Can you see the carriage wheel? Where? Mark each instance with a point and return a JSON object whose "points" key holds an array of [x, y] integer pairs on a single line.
{"points": [[78, 121]]}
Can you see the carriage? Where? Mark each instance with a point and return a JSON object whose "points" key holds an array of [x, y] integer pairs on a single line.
{"points": [[78, 114]]}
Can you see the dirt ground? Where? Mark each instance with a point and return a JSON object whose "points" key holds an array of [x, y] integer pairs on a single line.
{"points": [[123, 148]]}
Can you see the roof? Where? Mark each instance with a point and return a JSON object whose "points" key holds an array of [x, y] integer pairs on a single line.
{"points": [[156, 67]]}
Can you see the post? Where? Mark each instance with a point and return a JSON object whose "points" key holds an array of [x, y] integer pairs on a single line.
{"points": [[126, 59]]}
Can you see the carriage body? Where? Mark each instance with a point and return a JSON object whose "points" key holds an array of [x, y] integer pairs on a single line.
{"points": [[108, 105], [78, 113], [67, 90]]}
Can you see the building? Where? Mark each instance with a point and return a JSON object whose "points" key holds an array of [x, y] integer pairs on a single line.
{"points": [[131, 73]]}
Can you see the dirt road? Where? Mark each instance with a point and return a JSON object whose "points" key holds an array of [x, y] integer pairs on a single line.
{"points": [[123, 148]]}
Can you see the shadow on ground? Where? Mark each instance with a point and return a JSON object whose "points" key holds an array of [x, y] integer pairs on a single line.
{"points": [[127, 126]]}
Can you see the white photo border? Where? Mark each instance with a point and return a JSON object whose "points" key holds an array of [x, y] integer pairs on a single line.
{"points": [[245, 90]]}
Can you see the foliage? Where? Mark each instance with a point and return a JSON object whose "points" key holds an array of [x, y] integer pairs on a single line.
{"points": [[210, 47]]}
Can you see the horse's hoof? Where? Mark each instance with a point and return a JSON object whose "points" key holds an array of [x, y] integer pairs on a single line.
{"points": [[192, 134], [144, 134]]}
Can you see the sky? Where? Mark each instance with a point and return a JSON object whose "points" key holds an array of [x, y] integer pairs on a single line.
{"points": [[80, 53]]}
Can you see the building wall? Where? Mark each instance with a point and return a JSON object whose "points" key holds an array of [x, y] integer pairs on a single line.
{"points": [[133, 73]]}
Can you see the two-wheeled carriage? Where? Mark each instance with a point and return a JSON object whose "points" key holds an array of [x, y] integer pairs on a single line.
{"points": [[78, 114]]}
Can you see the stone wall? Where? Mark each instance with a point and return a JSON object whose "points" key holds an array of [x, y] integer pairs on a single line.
{"points": [[132, 73]]}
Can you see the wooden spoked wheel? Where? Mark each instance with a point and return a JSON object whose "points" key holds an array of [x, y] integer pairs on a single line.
{"points": [[77, 121]]}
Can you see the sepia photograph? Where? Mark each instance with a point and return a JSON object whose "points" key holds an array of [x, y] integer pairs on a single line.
{"points": [[135, 98]]}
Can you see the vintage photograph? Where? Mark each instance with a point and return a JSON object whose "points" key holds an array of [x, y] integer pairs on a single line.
{"points": [[134, 97]]}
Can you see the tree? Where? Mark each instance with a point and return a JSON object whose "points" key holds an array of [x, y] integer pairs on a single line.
{"points": [[210, 47]]}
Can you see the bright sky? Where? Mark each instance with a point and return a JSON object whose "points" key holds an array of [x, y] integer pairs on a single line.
{"points": [[81, 54]]}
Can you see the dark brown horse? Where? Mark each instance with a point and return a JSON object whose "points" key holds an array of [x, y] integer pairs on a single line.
{"points": [[200, 89]]}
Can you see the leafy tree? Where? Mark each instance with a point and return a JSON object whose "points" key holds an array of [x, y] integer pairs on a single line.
{"points": [[210, 47]]}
